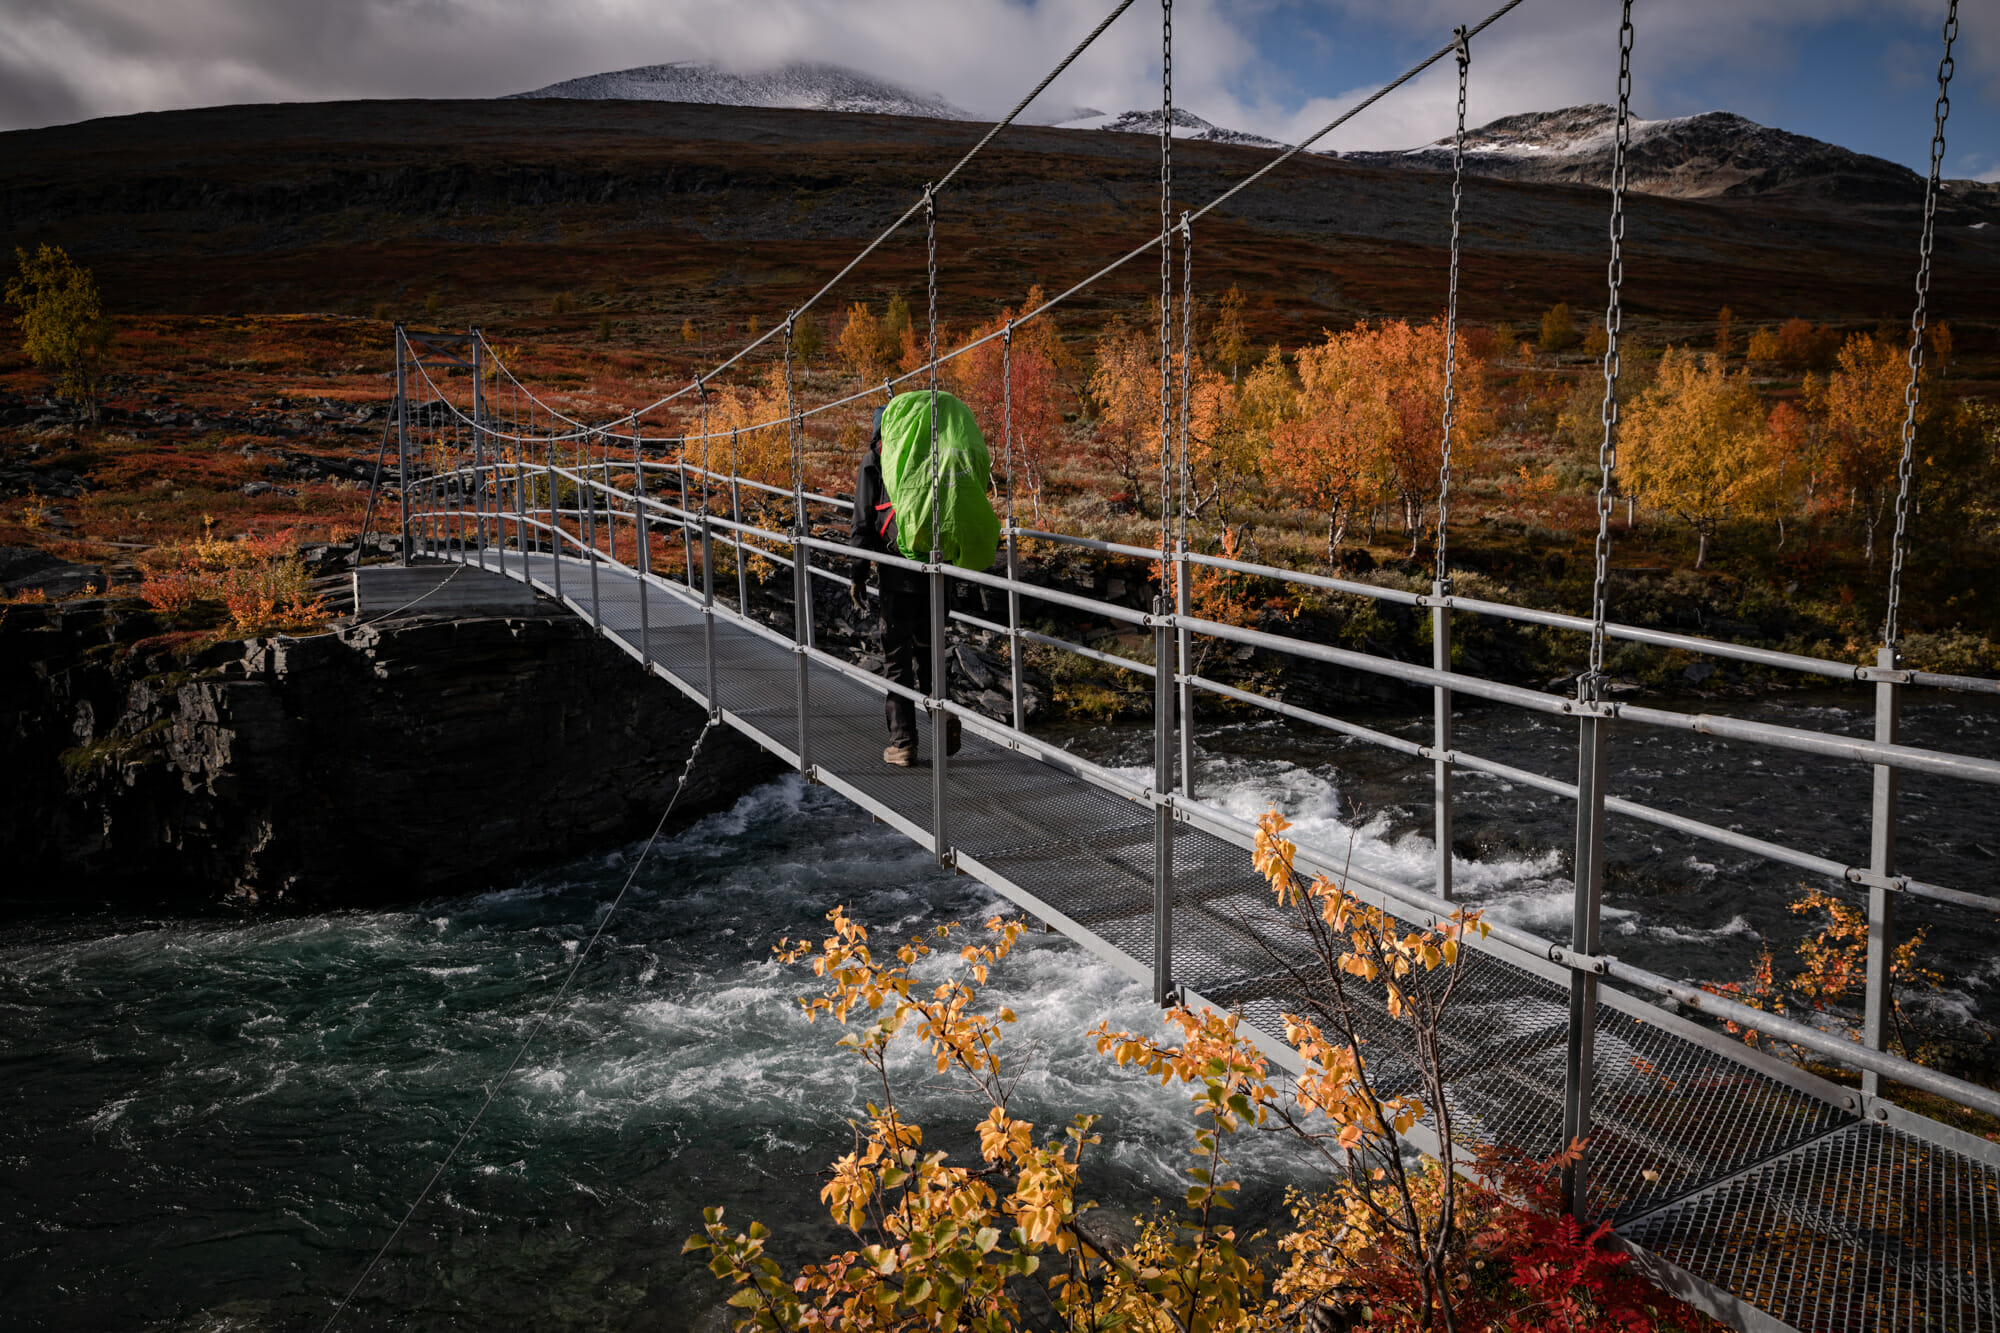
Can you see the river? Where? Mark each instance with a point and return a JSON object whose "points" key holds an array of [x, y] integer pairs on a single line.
{"points": [[211, 1123]]}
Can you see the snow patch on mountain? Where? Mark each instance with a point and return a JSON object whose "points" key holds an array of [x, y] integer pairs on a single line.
{"points": [[802, 86], [1186, 125], [1715, 153]]}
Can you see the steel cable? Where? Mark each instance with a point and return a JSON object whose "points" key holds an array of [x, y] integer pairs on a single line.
{"points": [[924, 203], [493, 1089], [890, 230], [1919, 319], [1099, 275]]}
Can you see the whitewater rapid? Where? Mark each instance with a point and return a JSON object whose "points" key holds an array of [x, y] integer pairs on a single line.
{"points": [[212, 1124]]}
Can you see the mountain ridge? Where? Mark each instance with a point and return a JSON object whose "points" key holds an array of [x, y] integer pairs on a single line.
{"points": [[798, 86], [1710, 155]]}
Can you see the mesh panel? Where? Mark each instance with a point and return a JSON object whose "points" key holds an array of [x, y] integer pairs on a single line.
{"points": [[1864, 1228], [1761, 1189]]}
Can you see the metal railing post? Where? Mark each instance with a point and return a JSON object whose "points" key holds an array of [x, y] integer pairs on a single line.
{"points": [[644, 561], [587, 493], [478, 451], [1584, 938], [1163, 810], [402, 449], [555, 527], [801, 610], [806, 583], [521, 518], [940, 693], [1014, 664], [687, 538], [1879, 1001], [1184, 667], [708, 612], [1441, 733], [610, 511], [742, 570]]}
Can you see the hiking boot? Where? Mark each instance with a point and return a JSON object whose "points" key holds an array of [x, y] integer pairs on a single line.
{"points": [[954, 736], [902, 756]]}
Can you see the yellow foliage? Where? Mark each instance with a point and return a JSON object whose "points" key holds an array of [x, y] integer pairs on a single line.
{"points": [[1694, 444], [63, 327]]}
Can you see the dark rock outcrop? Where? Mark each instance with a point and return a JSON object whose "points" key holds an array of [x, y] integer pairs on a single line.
{"points": [[390, 762]]}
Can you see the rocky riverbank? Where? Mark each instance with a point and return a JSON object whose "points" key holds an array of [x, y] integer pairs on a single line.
{"points": [[388, 762]]}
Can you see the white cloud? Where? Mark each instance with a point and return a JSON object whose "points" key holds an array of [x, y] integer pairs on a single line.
{"points": [[69, 59]]}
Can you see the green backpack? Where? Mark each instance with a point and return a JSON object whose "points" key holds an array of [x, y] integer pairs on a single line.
{"points": [[968, 529]]}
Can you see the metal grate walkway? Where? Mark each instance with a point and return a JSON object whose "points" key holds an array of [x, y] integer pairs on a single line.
{"points": [[1749, 1187]]}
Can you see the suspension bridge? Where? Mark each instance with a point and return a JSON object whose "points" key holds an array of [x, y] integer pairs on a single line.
{"points": [[1763, 1193]]}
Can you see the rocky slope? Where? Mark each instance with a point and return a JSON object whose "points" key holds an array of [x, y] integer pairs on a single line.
{"points": [[683, 210], [799, 86], [1716, 154], [391, 762]]}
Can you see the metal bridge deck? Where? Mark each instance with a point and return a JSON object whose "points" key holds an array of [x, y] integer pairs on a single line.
{"points": [[1744, 1184]]}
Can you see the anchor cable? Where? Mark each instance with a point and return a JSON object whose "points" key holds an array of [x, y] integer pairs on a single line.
{"points": [[493, 1089]]}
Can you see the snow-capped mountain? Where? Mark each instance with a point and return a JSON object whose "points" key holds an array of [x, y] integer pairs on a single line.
{"points": [[1186, 125], [801, 86], [1703, 156]]}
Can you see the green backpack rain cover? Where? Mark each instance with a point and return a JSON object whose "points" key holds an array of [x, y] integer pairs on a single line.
{"points": [[969, 530]]}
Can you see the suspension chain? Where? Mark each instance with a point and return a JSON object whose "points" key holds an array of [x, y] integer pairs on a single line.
{"points": [[1919, 318], [930, 279], [1166, 277], [1187, 364], [1607, 449], [701, 391], [1464, 44], [1007, 410], [795, 442]]}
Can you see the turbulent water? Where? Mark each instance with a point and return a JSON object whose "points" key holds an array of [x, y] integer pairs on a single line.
{"points": [[208, 1124]]}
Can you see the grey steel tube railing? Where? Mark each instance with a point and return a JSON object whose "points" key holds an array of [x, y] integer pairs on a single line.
{"points": [[1582, 957]]}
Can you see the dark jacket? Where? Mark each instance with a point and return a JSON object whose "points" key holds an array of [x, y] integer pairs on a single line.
{"points": [[874, 529]]}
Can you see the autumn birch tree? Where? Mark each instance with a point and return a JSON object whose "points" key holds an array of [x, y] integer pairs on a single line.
{"points": [[1694, 443], [63, 327], [1324, 454]]}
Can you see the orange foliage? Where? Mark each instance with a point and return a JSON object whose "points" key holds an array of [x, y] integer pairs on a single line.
{"points": [[1036, 391], [1371, 422]]}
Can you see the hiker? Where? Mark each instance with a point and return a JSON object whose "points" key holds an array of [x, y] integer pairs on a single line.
{"points": [[892, 502]]}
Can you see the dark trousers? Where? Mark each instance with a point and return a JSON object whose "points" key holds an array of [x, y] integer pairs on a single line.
{"points": [[906, 657]]}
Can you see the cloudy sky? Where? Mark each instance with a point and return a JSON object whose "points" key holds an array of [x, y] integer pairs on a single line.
{"points": [[1855, 72]]}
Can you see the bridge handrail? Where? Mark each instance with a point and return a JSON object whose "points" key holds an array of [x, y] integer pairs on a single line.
{"points": [[1860, 750], [1201, 814], [1797, 739], [1800, 662]]}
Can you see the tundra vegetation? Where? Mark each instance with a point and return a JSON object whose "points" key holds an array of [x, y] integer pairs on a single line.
{"points": [[1754, 488]]}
